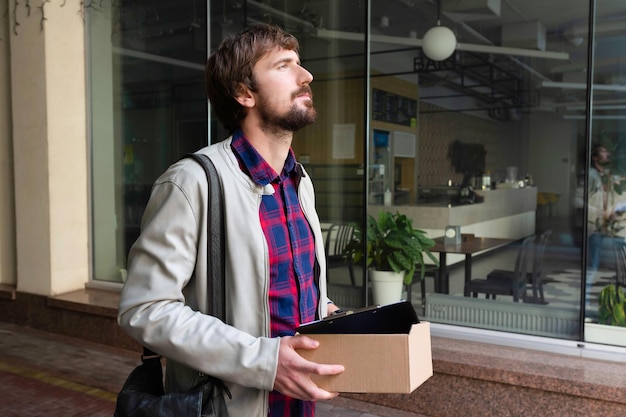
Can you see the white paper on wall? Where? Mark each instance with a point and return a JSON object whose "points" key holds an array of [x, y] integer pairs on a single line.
{"points": [[343, 141], [404, 144]]}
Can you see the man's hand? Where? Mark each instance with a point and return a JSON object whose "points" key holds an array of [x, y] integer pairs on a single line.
{"points": [[331, 308], [293, 376]]}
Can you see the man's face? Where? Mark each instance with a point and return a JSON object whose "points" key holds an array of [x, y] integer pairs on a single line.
{"points": [[603, 156], [284, 100]]}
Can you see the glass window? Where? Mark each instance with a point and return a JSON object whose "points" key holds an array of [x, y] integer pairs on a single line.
{"points": [[332, 150], [493, 139], [496, 154], [148, 108], [605, 169]]}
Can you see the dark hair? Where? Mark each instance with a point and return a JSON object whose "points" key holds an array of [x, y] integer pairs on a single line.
{"points": [[595, 149], [232, 63]]}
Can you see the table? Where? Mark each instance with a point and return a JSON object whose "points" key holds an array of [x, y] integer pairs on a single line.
{"points": [[469, 245]]}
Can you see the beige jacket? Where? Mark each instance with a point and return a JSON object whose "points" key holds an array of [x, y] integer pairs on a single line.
{"points": [[163, 304]]}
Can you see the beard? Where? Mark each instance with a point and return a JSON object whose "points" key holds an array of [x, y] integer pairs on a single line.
{"points": [[293, 120]]}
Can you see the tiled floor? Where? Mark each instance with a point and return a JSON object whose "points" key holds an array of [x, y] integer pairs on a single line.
{"points": [[42, 374]]}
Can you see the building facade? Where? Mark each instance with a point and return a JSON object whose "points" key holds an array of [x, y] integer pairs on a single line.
{"points": [[97, 100]]}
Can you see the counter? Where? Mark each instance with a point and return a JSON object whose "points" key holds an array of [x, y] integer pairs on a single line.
{"points": [[505, 213]]}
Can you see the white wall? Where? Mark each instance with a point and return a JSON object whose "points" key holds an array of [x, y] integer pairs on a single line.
{"points": [[552, 157]]}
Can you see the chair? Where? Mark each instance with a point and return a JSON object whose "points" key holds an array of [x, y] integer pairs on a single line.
{"points": [[337, 238], [515, 287], [432, 271], [534, 277]]}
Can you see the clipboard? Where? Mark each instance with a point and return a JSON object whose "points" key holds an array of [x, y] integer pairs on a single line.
{"points": [[395, 318]]}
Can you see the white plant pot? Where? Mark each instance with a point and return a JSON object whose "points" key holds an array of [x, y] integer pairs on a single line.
{"points": [[605, 334], [386, 286]]}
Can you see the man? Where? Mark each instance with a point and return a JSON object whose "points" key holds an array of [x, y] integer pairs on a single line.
{"points": [[602, 217], [275, 264]]}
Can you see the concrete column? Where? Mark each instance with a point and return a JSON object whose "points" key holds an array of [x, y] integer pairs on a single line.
{"points": [[7, 195], [50, 146]]}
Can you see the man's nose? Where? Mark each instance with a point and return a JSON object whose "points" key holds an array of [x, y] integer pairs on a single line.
{"points": [[307, 77]]}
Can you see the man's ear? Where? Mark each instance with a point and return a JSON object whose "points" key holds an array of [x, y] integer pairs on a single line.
{"points": [[245, 97]]}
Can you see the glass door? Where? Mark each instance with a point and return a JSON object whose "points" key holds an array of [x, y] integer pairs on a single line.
{"points": [[333, 149]]}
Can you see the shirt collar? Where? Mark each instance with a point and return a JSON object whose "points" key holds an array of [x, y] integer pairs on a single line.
{"points": [[252, 163]]}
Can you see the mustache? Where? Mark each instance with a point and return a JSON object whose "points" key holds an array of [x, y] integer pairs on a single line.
{"points": [[304, 89]]}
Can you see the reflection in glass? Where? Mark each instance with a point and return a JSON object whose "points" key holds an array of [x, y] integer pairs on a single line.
{"points": [[148, 109], [516, 86], [606, 173]]}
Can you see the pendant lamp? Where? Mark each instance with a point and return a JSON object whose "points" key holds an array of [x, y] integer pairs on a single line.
{"points": [[439, 42]]}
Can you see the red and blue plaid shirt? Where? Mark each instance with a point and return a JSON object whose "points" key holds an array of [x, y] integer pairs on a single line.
{"points": [[293, 293]]}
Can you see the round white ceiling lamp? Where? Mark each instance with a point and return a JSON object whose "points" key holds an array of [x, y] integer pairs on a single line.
{"points": [[439, 42]]}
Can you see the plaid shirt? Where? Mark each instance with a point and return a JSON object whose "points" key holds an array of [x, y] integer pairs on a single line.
{"points": [[293, 293]]}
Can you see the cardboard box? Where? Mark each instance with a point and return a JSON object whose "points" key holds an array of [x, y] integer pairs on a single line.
{"points": [[375, 363]]}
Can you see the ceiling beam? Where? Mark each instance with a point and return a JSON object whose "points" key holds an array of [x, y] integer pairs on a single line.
{"points": [[582, 86], [468, 47]]}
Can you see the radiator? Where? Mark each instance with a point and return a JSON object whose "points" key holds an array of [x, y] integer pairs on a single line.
{"points": [[345, 296], [533, 319]]}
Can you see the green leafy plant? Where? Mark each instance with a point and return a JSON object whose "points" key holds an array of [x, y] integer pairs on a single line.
{"points": [[392, 245], [612, 308]]}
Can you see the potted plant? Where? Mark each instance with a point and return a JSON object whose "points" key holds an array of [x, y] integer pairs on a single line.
{"points": [[611, 326], [612, 306], [394, 250]]}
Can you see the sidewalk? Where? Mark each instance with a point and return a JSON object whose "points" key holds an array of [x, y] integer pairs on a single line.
{"points": [[44, 374]]}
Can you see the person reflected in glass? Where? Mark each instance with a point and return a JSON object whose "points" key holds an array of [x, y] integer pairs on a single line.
{"points": [[604, 213]]}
